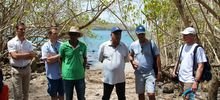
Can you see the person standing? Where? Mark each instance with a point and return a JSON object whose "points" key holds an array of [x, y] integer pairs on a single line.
{"points": [[142, 59], [74, 60], [185, 73], [114, 54], [20, 56], [51, 58]]}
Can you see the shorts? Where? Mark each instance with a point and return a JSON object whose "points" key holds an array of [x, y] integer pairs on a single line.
{"points": [[143, 81], [55, 87]]}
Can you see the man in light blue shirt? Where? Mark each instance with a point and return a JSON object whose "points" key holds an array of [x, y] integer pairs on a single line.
{"points": [[52, 61], [142, 54]]}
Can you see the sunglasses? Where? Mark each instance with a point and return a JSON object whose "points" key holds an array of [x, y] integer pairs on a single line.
{"points": [[22, 29]]}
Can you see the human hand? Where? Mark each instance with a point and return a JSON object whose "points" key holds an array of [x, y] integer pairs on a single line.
{"points": [[194, 86], [174, 74], [134, 64]]}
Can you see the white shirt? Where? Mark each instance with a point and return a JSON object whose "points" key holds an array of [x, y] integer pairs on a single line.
{"points": [[114, 62], [186, 67], [15, 45]]}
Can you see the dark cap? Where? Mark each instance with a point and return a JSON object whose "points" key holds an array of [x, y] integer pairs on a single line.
{"points": [[114, 29], [140, 29]]}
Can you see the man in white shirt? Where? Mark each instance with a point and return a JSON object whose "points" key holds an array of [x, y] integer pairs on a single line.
{"points": [[20, 56], [185, 73], [113, 54]]}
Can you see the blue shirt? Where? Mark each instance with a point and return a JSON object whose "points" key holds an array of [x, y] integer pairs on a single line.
{"points": [[143, 55], [53, 70]]}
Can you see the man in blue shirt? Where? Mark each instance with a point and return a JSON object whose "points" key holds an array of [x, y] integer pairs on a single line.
{"points": [[142, 60], [52, 61]]}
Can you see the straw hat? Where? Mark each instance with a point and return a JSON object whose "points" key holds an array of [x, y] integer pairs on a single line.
{"points": [[74, 30]]}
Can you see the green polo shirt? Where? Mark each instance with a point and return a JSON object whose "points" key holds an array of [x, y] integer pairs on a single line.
{"points": [[72, 61]]}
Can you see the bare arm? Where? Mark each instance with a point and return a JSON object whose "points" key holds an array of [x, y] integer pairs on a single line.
{"points": [[199, 71], [158, 64], [198, 76], [132, 61], [85, 62], [158, 67], [174, 73], [22, 55]]}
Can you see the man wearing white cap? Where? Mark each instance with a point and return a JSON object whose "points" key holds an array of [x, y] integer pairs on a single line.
{"points": [[185, 73], [73, 55]]}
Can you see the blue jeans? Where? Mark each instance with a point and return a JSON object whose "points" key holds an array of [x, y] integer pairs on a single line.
{"points": [[79, 86], [120, 91]]}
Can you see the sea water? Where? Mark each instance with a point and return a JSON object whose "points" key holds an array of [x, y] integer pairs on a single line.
{"points": [[102, 36]]}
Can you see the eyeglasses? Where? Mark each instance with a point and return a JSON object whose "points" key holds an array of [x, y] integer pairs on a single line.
{"points": [[22, 29]]}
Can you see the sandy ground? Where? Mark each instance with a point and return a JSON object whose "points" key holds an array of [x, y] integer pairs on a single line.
{"points": [[94, 87]]}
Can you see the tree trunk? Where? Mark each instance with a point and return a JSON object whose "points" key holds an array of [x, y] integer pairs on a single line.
{"points": [[213, 88]]}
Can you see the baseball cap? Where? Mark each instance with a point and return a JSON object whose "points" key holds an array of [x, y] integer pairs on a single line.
{"points": [[140, 29], [188, 30], [114, 29], [74, 30]]}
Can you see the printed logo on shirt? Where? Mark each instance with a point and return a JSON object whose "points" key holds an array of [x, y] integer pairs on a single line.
{"points": [[80, 53]]}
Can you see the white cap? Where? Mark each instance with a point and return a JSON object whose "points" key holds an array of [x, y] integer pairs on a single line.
{"points": [[189, 30]]}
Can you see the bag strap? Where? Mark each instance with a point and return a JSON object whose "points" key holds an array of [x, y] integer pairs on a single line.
{"points": [[194, 59], [181, 50]]}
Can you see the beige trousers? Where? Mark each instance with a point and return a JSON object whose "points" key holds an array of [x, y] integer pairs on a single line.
{"points": [[20, 81]]}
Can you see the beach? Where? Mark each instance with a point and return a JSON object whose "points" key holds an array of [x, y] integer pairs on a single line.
{"points": [[94, 86]]}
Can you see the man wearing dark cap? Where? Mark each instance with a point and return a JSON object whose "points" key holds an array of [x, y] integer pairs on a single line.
{"points": [[113, 54], [142, 54], [73, 55]]}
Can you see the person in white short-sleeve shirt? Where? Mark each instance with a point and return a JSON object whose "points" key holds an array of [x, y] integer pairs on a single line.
{"points": [[113, 54], [20, 55], [185, 73]]}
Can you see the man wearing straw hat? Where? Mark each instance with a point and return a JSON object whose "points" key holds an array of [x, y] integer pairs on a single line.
{"points": [[73, 55]]}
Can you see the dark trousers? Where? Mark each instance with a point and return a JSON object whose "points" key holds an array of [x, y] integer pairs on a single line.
{"points": [[120, 91], [80, 89]]}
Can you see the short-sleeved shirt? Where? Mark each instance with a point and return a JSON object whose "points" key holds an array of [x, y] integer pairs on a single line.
{"points": [[53, 70], [143, 55], [72, 60], [186, 66], [114, 61], [15, 45]]}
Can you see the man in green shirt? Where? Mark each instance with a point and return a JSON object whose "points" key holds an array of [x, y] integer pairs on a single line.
{"points": [[73, 54]]}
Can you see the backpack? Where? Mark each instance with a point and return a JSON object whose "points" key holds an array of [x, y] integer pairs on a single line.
{"points": [[206, 74]]}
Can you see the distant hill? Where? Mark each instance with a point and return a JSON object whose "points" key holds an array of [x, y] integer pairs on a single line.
{"points": [[108, 26]]}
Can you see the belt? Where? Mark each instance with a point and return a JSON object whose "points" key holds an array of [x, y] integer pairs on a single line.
{"points": [[20, 67]]}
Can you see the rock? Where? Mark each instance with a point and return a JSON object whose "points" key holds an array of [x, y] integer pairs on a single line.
{"points": [[168, 88]]}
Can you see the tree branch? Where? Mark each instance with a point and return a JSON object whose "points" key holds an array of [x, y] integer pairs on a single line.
{"points": [[209, 9], [95, 17]]}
